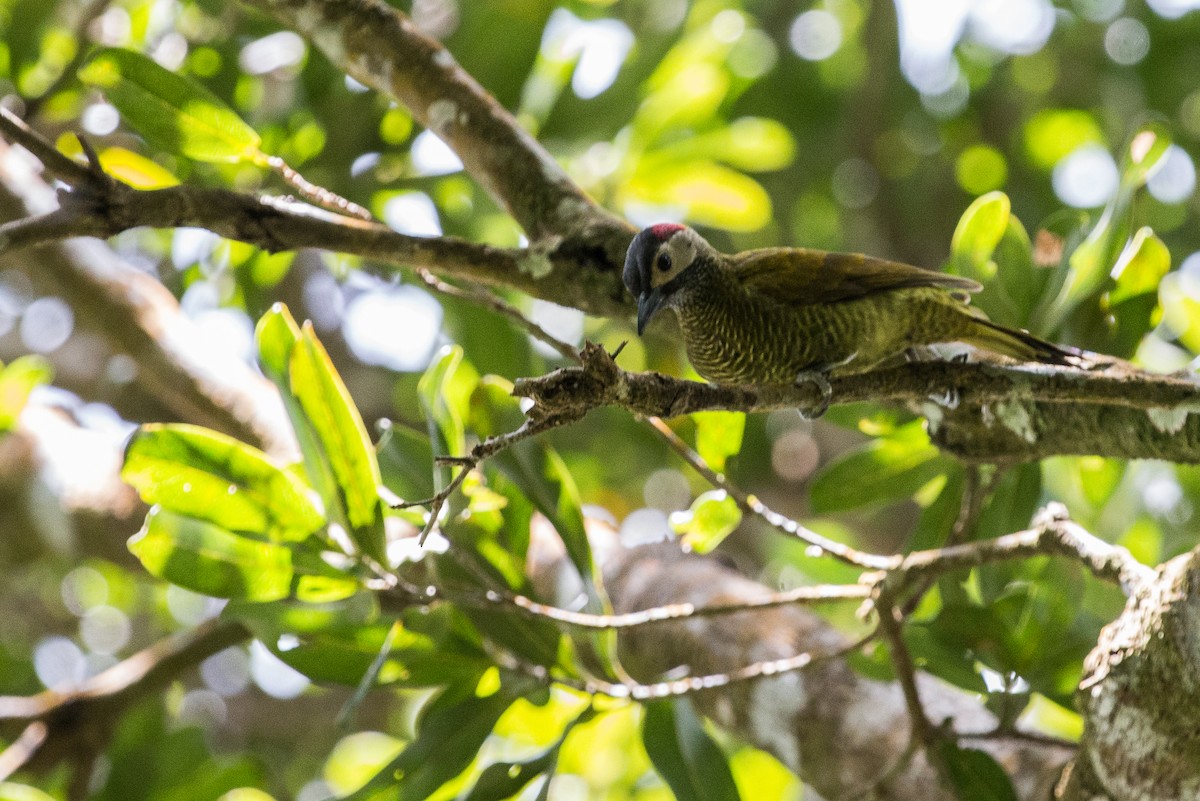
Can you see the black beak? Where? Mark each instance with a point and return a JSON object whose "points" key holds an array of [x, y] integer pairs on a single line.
{"points": [[648, 303]]}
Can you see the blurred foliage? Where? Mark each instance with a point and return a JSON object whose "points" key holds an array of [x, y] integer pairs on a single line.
{"points": [[1057, 168]]}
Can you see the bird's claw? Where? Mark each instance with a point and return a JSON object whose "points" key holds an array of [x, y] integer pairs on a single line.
{"points": [[821, 379]]}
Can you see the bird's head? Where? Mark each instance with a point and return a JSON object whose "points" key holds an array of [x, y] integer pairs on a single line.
{"points": [[657, 266]]}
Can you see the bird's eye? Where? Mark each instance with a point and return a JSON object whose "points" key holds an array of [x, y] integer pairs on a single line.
{"points": [[664, 262]]}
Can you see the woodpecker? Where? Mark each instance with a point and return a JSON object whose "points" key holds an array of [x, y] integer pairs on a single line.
{"points": [[787, 315]]}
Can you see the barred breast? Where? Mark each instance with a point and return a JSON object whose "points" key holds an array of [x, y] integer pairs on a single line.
{"points": [[733, 337]]}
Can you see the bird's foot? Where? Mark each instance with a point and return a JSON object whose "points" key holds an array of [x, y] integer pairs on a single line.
{"points": [[820, 377]]}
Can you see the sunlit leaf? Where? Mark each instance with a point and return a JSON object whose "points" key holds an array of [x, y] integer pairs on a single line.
{"points": [[979, 232], [246, 794], [1145, 153], [445, 391], [756, 144], [277, 336], [449, 737], [710, 193], [172, 112], [683, 753], [712, 517], [1141, 266], [208, 559], [17, 380], [343, 438], [718, 436], [1093, 260], [338, 641], [10, 791], [198, 472]]}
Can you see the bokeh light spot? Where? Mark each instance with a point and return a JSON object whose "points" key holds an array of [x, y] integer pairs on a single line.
{"points": [[1087, 178], [1127, 41], [47, 324], [815, 35], [396, 327], [1175, 179]]}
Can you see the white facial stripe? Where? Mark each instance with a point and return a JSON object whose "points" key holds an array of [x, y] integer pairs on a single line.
{"points": [[682, 252]]}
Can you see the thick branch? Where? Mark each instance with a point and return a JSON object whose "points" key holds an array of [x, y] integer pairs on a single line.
{"points": [[58, 724], [138, 316], [380, 47], [1030, 411], [102, 207]]}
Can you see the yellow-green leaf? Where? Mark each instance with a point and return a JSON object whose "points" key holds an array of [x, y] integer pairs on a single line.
{"points": [[979, 232], [712, 517], [710, 193], [209, 559], [10, 791], [17, 380], [718, 436], [342, 436], [172, 112], [1141, 266], [201, 473]]}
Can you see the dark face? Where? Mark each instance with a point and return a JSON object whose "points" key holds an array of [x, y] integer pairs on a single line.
{"points": [[656, 256]]}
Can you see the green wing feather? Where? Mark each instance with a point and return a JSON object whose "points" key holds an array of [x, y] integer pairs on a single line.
{"points": [[800, 277]]}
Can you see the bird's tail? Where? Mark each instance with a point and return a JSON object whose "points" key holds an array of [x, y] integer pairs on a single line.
{"points": [[1021, 345]]}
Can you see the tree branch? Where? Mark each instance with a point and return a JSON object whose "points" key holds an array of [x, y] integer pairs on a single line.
{"points": [[381, 47], [982, 411], [57, 723], [137, 315]]}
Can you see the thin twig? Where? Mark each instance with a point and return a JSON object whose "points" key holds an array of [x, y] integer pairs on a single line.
{"points": [[751, 504], [520, 604], [56, 162], [498, 305], [484, 450], [692, 684], [1017, 734], [923, 732], [1053, 532], [326, 198]]}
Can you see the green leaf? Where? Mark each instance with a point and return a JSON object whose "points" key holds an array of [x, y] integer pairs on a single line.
{"points": [[342, 438], [886, 469], [502, 780], [535, 468], [691, 763], [172, 112], [203, 474], [978, 233], [975, 775], [277, 335], [22, 792], [208, 559], [718, 436], [17, 380], [1140, 267], [338, 641], [1092, 261], [710, 193], [712, 517], [445, 391], [449, 737]]}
